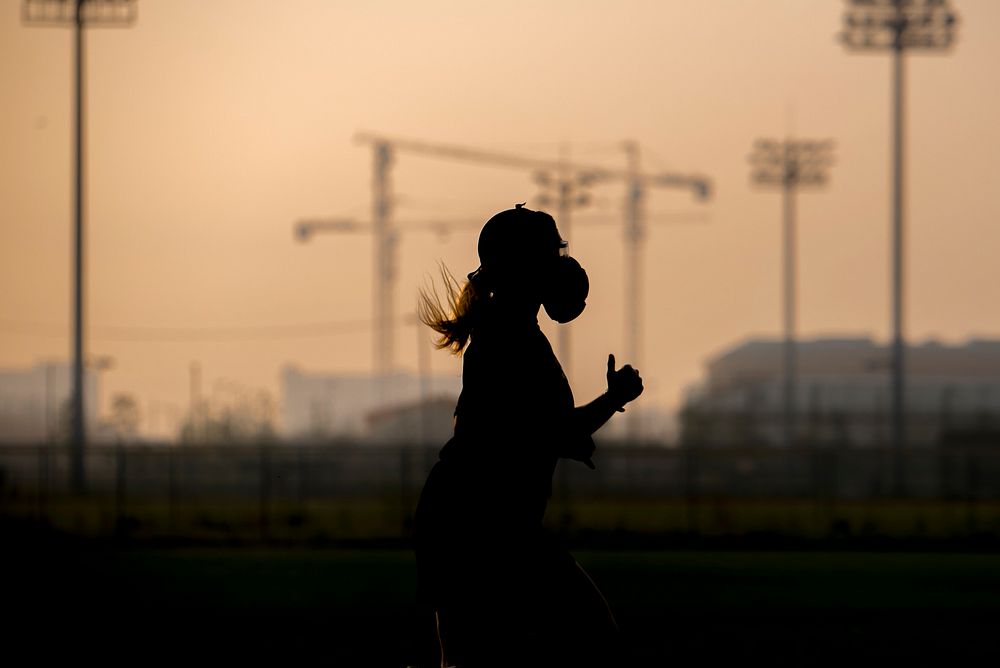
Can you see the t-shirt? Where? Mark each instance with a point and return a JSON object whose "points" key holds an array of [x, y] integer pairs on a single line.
{"points": [[513, 420]]}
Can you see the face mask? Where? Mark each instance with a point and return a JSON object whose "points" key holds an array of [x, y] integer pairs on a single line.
{"points": [[567, 292]]}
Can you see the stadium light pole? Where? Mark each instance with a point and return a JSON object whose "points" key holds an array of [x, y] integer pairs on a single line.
{"points": [[78, 14], [789, 165], [898, 26]]}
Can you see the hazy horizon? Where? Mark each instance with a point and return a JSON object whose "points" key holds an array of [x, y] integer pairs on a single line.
{"points": [[213, 127]]}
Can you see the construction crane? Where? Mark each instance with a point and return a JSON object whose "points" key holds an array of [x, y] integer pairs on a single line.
{"points": [[569, 179]]}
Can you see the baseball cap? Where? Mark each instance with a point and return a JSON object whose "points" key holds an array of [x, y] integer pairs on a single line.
{"points": [[517, 235]]}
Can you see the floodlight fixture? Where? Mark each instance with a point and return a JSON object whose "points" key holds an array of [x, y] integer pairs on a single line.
{"points": [[899, 25], [104, 13]]}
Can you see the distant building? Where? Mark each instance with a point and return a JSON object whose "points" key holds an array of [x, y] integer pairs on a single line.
{"points": [[843, 393], [34, 402], [340, 405]]}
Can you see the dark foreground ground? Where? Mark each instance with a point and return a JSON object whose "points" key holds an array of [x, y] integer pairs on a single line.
{"points": [[294, 607]]}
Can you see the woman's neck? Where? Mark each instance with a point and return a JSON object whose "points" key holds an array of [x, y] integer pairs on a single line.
{"points": [[514, 311]]}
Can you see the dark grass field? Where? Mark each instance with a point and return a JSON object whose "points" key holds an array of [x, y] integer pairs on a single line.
{"points": [[339, 607]]}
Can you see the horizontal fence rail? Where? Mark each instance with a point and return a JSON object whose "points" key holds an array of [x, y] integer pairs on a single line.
{"points": [[351, 492]]}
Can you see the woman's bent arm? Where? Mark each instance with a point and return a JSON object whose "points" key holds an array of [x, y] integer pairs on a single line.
{"points": [[591, 417]]}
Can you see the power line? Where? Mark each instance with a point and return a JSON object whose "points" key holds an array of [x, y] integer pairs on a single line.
{"points": [[159, 334]]}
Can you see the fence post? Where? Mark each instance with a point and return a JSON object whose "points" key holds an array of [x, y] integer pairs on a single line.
{"points": [[43, 481], [405, 516], [264, 490], [690, 489], [120, 491], [302, 479], [173, 484], [972, 492]]}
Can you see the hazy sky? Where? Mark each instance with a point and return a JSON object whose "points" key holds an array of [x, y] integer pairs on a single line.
{"points": [[213, 125]]}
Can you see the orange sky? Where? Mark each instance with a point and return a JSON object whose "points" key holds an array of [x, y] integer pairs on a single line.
{"points": [[214, 125]]}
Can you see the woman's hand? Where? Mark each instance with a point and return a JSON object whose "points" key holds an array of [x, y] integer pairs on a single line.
{"points": [[624, 385]]}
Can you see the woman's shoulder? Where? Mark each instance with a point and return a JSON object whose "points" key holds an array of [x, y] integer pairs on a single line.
{"points": [[527, 357], [508, 343]]}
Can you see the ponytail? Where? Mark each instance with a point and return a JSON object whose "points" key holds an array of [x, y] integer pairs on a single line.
{"points": [[457, 318]]}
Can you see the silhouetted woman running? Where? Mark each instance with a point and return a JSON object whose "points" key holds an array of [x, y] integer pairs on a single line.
{"points": [[504, 593]]}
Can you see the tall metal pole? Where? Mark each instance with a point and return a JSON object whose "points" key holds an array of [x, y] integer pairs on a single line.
{"points": [[898, 26], [78, 14], [194, 403], [424, 376], [898, 240], [384, 262], [634, 235], [79, 435], [789, 279], [790, 165]]}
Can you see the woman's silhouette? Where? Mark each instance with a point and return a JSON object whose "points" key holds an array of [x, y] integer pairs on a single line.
{"points": [[504, 593]]}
